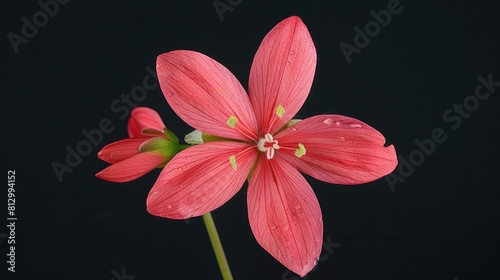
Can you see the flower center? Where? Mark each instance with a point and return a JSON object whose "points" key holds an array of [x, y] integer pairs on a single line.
{"points": [[268, 145]]}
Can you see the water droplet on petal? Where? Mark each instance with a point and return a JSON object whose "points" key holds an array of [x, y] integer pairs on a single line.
{"points": [[292, 52], [328, 121], [202, 199], [273, 227], [285, 228], [355, 125], [169, 206], [298, 209]]}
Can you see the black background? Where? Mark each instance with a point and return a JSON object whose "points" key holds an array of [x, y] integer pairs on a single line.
{"points": [[440, 223]]}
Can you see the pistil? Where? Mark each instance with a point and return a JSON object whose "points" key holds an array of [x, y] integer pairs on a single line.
{"points": [[268, 145]]}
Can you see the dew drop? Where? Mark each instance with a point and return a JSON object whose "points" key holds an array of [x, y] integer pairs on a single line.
{"points": [[355, 125], [342, 138], [298, 209], [285, 228], [194, 194], [169, 206], [273, 227], [328, 121], [292, 52], [288, 63]]}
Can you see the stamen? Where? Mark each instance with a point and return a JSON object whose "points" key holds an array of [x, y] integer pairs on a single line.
{"points": [[232, 161], [280, 111], [232, 121], [301, 151]]}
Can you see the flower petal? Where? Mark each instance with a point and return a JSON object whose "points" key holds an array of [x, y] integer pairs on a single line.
{"points": [[282, 74], [200, 179], [141, 118], [337, 149], [121, 150], [284, 215], [131, 168], [206, 95]]}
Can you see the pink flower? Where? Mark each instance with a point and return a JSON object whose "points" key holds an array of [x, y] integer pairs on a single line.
{"points": [[283, 211], [150, 145]]}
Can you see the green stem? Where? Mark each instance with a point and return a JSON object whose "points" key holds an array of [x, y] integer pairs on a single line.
{"points": [[184, 146], [217, 246]]}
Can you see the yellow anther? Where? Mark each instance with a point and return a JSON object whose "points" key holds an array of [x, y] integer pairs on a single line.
{"points": [[232, 121], [300, 151], [280, 111], [232, 161]]}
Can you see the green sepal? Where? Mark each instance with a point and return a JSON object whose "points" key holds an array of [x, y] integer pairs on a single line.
{"points": [[152, 132], [212, 138], [170, 135], [161, 145], [288, 124]]}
